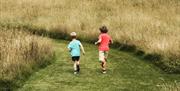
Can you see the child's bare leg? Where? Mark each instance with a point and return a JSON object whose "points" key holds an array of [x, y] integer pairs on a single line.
{"points": [[104, 65], [77, 66], [105, 60], [106, 55]]}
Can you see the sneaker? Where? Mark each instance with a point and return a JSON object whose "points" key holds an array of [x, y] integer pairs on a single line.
{"points": [[75, 72], [104, 72]]}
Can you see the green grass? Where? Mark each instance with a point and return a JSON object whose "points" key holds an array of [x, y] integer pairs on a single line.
{"points": [[125, 73]]}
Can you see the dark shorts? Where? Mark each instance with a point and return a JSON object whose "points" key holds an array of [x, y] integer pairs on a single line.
{"points": [[75, 58]]}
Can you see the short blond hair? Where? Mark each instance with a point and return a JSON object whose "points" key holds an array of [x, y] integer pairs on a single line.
{"points": [[73, 34]]}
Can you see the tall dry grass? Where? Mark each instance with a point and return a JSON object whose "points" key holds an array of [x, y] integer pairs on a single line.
{"points": [[169, 87], [151, 25], [21, 53]]}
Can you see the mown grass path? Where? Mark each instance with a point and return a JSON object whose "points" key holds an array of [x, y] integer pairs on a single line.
{"points": [[125, 73]]}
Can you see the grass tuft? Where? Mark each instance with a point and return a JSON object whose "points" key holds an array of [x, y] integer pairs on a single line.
{"points": [[20, 54]]}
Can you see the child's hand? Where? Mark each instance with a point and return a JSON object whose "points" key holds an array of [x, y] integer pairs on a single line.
{"points": [[69, 50]]}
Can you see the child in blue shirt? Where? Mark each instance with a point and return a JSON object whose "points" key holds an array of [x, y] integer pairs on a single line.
{"points": [[74, 47]]}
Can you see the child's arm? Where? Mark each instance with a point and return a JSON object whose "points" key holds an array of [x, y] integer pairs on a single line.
{"points": [[69, 48], [111, 41], [82, 48], [99, 41]]}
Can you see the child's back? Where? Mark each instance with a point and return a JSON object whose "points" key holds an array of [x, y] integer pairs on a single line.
{"points": [[105, 40], [74, 45]]}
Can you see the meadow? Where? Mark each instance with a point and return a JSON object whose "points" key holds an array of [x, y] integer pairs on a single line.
{"points": [[152, 26]]}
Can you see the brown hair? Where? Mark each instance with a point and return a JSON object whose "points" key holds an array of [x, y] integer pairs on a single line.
{"points": [[103, 29]]}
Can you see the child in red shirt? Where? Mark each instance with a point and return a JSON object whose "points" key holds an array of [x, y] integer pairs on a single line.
{"points": [[104, 41]]}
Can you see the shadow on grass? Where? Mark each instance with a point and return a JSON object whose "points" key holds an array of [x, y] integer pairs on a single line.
{"points": [[13, 85], [6, 85], [165, 64]]}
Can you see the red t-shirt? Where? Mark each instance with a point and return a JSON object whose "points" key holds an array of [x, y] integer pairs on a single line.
{"points": [[105, 41]]}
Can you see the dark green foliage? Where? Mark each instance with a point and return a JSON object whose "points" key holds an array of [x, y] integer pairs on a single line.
{"points": [[152, 57]]}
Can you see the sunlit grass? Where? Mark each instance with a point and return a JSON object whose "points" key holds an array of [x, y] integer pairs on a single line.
{"points": [[125, 73]]}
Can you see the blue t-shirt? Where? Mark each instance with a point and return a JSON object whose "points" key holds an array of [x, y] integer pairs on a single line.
{"points": [[74, 47]]}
